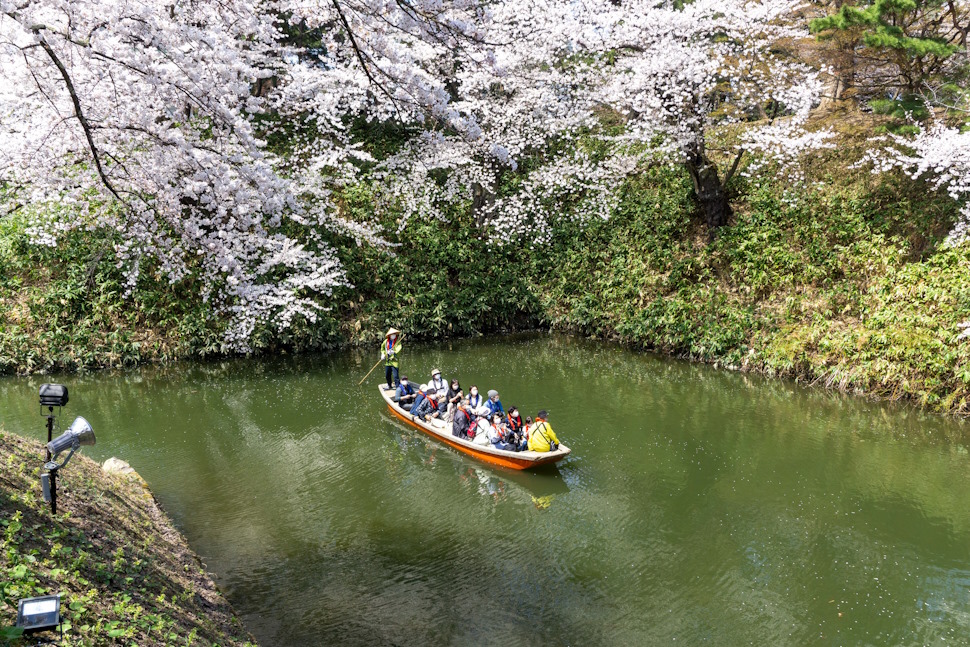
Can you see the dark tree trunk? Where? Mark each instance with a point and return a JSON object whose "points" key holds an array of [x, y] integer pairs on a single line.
{"points": [[711, 194], [482, 200]]}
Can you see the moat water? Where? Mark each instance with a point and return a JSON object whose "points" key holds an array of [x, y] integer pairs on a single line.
{"points": [[698, 506]]}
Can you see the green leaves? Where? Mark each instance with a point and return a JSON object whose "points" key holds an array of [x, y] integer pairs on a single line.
{"points": [[897, 52]]}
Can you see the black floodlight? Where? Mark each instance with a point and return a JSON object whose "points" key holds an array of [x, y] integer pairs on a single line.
{"points": [[79, 434], [39, 614], [53, 395]]}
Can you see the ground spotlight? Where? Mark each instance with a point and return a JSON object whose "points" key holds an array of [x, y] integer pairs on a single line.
{"points": [[78, 434], [39, 614], [51, 395]]}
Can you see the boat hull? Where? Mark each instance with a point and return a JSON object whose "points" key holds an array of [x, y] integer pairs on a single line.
{"points": [[486, 454]]}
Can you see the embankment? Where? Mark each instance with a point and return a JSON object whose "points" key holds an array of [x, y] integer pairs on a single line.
{"points": [[844, 282], [124, 572]]}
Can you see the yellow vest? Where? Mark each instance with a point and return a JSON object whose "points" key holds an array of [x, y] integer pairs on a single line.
{"points": [[540, 435], [396, 347]]}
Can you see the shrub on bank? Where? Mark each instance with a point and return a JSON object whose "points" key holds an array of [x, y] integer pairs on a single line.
{"points": [[843, 283]]}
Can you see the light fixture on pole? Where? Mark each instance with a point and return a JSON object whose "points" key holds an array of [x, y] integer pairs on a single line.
{"points": [[51, 395], [79, 434]]}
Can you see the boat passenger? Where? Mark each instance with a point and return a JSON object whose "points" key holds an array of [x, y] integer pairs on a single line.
{"points": [[514, 420], [460, 422], [494, 404], [437, 402], [541, 437], [475, 400], [390, 350], [423, 404], [481, 413], [498, 433], [453, 398], [405, 393], [437, 383], [516, 428], [419, 396], [481, 432]]}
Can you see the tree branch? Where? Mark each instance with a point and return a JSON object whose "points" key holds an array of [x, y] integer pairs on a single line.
{"points": [[77, 110], [734, 168], [360, 55]]}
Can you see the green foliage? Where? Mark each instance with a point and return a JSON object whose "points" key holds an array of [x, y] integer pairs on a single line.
{"points": [[901, 48], [66, 307], [903, 112], [884, 21], [842, 284], [441, 279]]}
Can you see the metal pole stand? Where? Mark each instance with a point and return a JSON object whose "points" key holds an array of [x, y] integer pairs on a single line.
{"points": [[50, 430], [52, 467]]}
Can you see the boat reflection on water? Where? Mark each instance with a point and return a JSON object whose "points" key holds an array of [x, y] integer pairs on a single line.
{"points": [[537, 487]]}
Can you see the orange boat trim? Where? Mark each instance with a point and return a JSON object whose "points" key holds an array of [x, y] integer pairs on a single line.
{"points": [[492, 458]]}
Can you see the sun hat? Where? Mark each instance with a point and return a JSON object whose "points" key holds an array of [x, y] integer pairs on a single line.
{"points": [[391, 331], [435, 371]]}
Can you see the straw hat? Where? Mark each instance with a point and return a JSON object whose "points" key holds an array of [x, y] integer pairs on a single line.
{"points": [[391, 331]]}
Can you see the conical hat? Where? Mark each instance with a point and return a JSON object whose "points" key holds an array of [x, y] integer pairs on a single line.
{"points": [[392, 331]]}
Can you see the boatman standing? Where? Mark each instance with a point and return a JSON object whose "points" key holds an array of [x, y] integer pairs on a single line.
{"points": [[390, 350]]}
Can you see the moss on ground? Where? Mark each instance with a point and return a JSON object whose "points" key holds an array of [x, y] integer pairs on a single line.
{"points": [[125, 574]]}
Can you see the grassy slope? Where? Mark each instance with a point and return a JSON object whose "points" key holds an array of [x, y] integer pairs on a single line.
{"points": [[845, 285], [125, 575]]}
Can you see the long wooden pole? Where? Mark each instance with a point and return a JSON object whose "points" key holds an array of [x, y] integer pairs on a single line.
{"points": [[375, 365]]}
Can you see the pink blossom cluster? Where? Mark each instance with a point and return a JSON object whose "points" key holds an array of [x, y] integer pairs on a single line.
{"points": [[149, 122]]}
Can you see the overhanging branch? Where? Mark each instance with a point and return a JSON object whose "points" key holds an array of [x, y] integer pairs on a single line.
{"points": [[78, 112]]}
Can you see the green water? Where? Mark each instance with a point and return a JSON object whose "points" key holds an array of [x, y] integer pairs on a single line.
{"points": [[697, 507]]}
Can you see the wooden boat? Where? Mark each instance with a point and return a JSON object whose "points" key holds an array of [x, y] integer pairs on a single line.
{"points": [[441, 430]]}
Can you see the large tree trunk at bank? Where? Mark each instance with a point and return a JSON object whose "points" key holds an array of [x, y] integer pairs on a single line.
{"points": [[482, 200], [483, 197], [710, 192]]}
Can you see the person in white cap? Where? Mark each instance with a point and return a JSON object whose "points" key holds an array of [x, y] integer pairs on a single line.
{"points": [[390, 350], [437, 383]]}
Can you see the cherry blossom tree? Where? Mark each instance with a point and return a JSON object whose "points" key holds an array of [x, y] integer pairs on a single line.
{"points": [[700, 84], [139, 120], [939, 154], [150, 123], [697, 76]]}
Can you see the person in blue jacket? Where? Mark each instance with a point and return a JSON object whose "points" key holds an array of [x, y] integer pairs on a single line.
{"points": [[424, 404], [405, 394], [494, 404]]}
